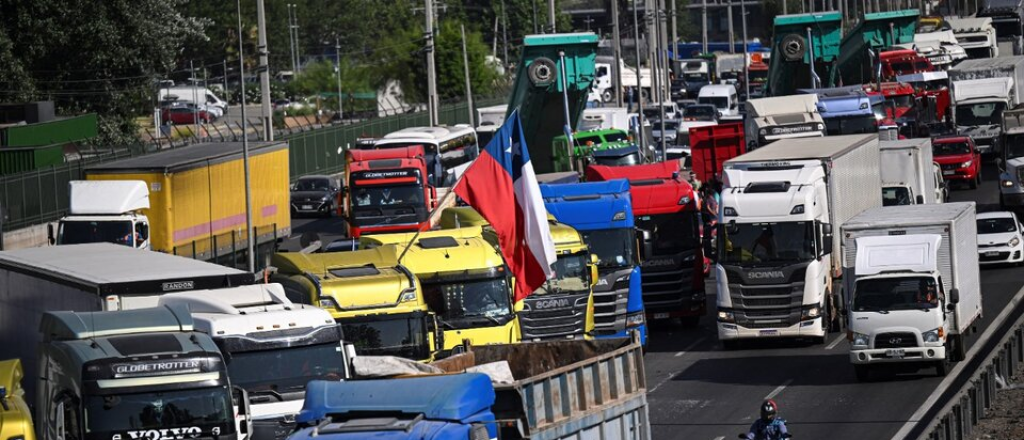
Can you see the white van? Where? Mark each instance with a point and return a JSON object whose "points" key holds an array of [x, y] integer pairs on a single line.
{"points": [[723, 97], [194, 93]]}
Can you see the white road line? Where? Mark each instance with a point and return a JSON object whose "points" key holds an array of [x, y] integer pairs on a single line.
{"points": [[691, 346], [835, 342], [720, 437], [778, 389]]}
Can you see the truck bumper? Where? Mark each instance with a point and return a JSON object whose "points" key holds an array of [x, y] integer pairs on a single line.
{"points": [[884, 355], [803, 329], [693, 304]]}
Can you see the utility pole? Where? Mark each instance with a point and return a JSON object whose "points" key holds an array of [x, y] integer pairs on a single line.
{"points": [[666, 79], [264, 69], [732, 35], [494, 43], [675, 32], [195, 99], [639, 80], [534, 4], [746, 64], [617, 51], [504, 33], [250, 242], [465, 70], [704, 25], [291, 36], [551, 16], [660, 75], [341, 97], [295, 32], [225, 78], [431, 69], [650, 37]]}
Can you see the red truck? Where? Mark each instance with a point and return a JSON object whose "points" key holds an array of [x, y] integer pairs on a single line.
{"points": [[903, 62], [387, 191], [667, 213]]}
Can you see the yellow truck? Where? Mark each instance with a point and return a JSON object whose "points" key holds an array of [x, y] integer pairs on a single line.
{"points": [[465, 282], [15, 416], [563, 308], [377, 301], [188, 201]]}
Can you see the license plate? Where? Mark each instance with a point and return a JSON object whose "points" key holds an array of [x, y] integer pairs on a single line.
{"points": [[307, 206], [661, 316], [992, 254], [948, 172], [895, 353], [771, 332]]}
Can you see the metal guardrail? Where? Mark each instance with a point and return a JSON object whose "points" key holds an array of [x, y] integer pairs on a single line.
{"points": [[963, 404]]}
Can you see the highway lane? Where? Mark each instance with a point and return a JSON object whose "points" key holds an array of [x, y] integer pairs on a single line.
{"points": [[699, 391]]}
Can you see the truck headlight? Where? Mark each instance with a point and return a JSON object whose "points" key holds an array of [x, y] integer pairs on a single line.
{"points": [[726, 316], [328, 302], [967, 164], [820, 126], [762, 132], [810, 312], [934, 335], [408, 295], [858, 339], [1013, 242], [1006, 183], [635, 319]]}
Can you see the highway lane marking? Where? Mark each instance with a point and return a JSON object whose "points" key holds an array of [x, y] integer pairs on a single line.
{"points": [[690, 347], [835, 342], [778, 389], [721, 437]]}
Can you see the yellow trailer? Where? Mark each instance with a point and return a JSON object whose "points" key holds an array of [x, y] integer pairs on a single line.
{"points": [[15, 416], [196, 205]]}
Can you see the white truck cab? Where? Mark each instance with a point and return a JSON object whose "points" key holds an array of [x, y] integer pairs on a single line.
{"points": [[723, 97], [105, 211], [782, 117]]}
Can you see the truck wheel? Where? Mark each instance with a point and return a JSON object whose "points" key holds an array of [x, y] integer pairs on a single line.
{"points": [[943, 367], [607, 96], [862, 371]]}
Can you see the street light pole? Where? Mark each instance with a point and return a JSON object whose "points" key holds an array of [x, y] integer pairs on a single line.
{"points": [[249, 239], [431, 72], [465, 70], [746, 64], [617, 50], [337, 58], [639, 80], [264, 70]]}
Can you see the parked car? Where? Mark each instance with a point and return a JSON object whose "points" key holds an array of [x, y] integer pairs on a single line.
{"points": [[185, 115], [959, 158], [999, 238], [315, 195]]}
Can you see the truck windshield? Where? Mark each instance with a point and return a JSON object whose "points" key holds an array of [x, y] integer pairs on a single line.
{"points": [[616, 137], [203, 412], [950, 148], [375, 205], [904, 293], [571, 276], [984, 113], [895, 196], [619, 161], [388, 335], [77, 232], [285, 369], [470, 303], [788, 242], [1014, 146], [720, 102], [851, 125], [614, 247], [671, 233]]}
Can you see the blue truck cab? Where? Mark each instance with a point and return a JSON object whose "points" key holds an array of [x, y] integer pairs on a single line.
{"points": [[602, 212], [849, 110], [443, 407]]}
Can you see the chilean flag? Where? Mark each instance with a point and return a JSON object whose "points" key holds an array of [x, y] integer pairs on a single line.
{"points": [[502, 187]]}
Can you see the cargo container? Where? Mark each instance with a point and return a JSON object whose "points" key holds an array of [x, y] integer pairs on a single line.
{"points": [[908, 176]]}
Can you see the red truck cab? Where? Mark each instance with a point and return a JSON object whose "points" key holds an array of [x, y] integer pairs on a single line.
{"points": [[959, 159], [903, 62], [667, 213], [387, 191]]}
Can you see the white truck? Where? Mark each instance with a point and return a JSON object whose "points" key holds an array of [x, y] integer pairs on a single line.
{"points": [[982, 90], [604, 79], [107, 211], [941, 48], [908, 172], [271, 346], [489, 120], [915, 287], [976, 35], [729, 67], [779, 266], [604, 118], [782, 117]]}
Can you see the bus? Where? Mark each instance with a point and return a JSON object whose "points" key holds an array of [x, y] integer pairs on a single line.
{"points": [[448, 150]]}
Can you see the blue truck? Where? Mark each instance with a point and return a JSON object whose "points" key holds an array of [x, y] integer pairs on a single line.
{"points": [[603, 213], [849, 110]]}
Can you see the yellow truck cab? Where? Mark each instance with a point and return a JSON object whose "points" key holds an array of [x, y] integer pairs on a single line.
{"points": [[15, 416], [377, 301], [563, 308], [464, 280]]}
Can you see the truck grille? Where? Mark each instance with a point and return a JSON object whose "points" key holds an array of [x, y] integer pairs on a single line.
{"points": [[553, 316], [770, 306], [665, 291], [895, 340], [610, 308]]}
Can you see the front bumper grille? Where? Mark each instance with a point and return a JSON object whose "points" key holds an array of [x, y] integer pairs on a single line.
{"points": [[667, 291], [767, 306], [610, 308], [895, 340], [566, 318]]}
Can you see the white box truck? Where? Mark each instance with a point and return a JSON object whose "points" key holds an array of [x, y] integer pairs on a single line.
{"points": [[908, 174], [779, 266], [975, 35], [782, 117], [982, 90], [915, 289]]}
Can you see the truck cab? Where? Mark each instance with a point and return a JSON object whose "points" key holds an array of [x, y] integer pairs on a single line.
{"points": [[387, 191], [723, 97], [15, 415], [1011, 164], [976, 35], [666, 212], [979, 110], [465, 282], [272, 348], [378, 302], [783, 117], [697, 74], [587, 144], [901, 61], [602, 212], [849, 110], [1007, 18], [144, 373], [105, 212]]}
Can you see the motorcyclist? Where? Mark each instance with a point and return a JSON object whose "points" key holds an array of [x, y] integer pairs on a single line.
{"points": [[769, 426]]}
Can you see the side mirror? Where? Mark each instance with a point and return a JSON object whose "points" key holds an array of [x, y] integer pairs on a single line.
{"points": [[50, 236], [999, 164], [954, 296], [920, 199], [826, 245], [826, 228], [244, 419]]}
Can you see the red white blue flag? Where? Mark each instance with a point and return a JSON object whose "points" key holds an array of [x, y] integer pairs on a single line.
{"points": [[502, 187]]}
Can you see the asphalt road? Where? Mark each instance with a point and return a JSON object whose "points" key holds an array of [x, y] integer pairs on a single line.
{"points": [[697, 390]]}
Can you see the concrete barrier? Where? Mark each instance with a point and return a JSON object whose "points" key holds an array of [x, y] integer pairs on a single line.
{"points": [[32, 236]]}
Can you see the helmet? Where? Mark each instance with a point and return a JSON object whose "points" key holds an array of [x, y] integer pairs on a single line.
{"points": [[769, 410]]}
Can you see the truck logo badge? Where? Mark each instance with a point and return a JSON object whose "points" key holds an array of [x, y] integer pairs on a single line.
{"points": [[659, 263], [178, 285], [163, 434], [552, 303], [602, 282], [895, 341], [766, 274]]}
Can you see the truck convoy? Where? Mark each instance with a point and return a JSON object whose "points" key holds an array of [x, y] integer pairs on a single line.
{"points": [[779, 265], [271, 348], [976, 35], [602, 212], [188, 201], [782, 117], [140, 374], [387, 191], [982, 90], [907, 170], [666, 212], [914, 285]]}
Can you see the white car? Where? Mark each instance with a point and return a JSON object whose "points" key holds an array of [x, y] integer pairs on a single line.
{"points": [[999, 238]]}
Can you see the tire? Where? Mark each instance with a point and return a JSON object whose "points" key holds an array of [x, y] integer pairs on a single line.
{"points": [[794, 46], [607, 96], [943, 367], [819, 340], [542, 72], [862, 371]]}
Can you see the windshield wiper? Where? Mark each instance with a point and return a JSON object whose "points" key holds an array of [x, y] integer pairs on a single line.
{"points": [[489, 318], [271, 393], [396, 217]]}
